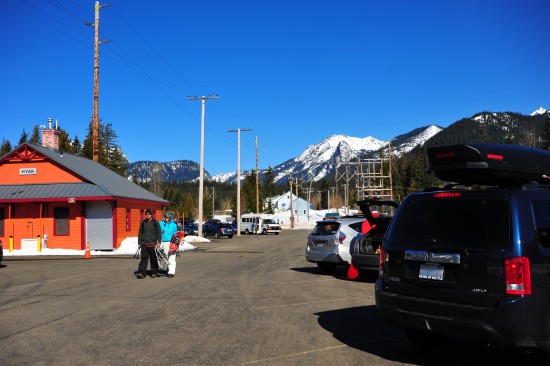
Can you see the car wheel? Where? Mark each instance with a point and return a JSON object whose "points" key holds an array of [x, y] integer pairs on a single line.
{"points": [[217, 235], [204, 234], [247, 232], [425, 339], [229, 236], [326, 267], [276, 233], [264, 231]]}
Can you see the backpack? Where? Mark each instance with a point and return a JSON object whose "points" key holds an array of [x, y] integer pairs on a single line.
{"points": [[175, 242]]}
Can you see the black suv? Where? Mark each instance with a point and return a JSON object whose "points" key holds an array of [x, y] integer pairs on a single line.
{"points": [[365, 252], [471, 260]]}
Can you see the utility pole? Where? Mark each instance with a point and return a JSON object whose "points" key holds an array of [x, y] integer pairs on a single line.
{"points": [[213, 191], [201, 180], [346, 200], [291, 209], [308, 191], [239, 130], [297, 203], [257, 180], [95, 117], [333, 198]]}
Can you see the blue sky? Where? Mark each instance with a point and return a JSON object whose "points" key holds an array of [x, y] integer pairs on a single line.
{"points": [[292, 71]]}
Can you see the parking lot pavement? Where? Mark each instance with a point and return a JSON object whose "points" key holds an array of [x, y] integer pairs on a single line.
{"points": [[249, 300]]}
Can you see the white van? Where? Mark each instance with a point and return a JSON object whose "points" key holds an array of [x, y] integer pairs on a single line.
{"points": [[252, 223]]}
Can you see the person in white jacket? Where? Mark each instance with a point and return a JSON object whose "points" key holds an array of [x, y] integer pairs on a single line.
{"points": [[168, 229]]}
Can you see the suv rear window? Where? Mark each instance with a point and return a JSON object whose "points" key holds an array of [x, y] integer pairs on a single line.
{"points": [[325, 228], [453, 222]]}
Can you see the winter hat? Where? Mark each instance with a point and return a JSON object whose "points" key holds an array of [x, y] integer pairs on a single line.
{"points": [[148, 212]]}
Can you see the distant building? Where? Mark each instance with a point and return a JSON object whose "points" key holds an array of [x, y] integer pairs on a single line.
{"points": [[282, 203], [66, 201]]}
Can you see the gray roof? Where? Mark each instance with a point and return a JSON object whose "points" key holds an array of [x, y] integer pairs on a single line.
{"points": [[99, 181]]}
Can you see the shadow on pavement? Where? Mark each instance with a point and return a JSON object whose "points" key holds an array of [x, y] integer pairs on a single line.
{"points": [[362, 328]]}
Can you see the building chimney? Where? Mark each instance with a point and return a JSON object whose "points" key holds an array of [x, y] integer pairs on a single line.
{"points": [[50, 135]]}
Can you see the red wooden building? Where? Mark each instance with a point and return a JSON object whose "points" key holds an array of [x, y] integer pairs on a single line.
{"points": [[66, 201]]}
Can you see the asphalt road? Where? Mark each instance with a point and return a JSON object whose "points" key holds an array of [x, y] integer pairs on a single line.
{"points": [[250, 300]]}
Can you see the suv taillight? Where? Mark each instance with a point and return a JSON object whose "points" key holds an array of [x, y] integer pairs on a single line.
{"points": [[517, 276], [382, 259]]}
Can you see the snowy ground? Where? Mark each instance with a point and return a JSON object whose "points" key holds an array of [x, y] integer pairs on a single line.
{"points": [[129, 245]]}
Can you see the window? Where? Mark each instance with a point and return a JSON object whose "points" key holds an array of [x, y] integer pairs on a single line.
{"points": [[453, 223], [61, 220], [2, 218], [128, 220]]}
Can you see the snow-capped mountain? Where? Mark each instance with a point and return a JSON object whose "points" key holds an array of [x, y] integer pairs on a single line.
{"points": [[540, 110], [320, 160]]}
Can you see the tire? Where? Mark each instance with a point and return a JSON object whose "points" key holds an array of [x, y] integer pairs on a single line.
{"points": [[247, 232], [264, 232], [229, 236], [204, 234], [326, 267], [217, 235], [276, 233]]}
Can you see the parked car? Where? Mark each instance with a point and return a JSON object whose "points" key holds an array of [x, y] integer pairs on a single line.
{"points": [[191, 228], [365, 251], [217, 228], [328, 242], [471, 260]]}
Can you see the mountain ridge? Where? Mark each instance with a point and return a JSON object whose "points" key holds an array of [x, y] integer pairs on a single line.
{"points": [[318, 161]]}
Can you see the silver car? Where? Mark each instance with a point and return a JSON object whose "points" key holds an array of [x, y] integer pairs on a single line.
{"points": [[328, 243]]}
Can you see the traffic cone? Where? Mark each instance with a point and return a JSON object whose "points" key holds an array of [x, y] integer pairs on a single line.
{"points": [[87, 255]]}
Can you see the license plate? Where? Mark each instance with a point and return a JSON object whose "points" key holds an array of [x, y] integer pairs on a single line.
{"points": [[320, 245], [431, 271]]}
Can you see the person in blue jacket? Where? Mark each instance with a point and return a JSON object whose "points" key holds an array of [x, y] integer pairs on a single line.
{"points": [[168, 228]]}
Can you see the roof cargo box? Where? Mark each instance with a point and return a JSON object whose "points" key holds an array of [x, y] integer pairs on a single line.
{"points": [[489, 164]]}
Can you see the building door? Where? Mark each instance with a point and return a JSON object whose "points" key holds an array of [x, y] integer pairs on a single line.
{"points": [[99, 225]]}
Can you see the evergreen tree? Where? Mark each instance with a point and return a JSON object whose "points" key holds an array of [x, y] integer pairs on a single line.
{"points": [[76, 147], [88, 147], [65, 142], [269, 206], [323, 204], [5, 148], [24, 138], [117, 162], [248, 193], [546, 133], [189, 206], [35, 137], [135, 177], [108, 152], [207, 212], [267, 189]]}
